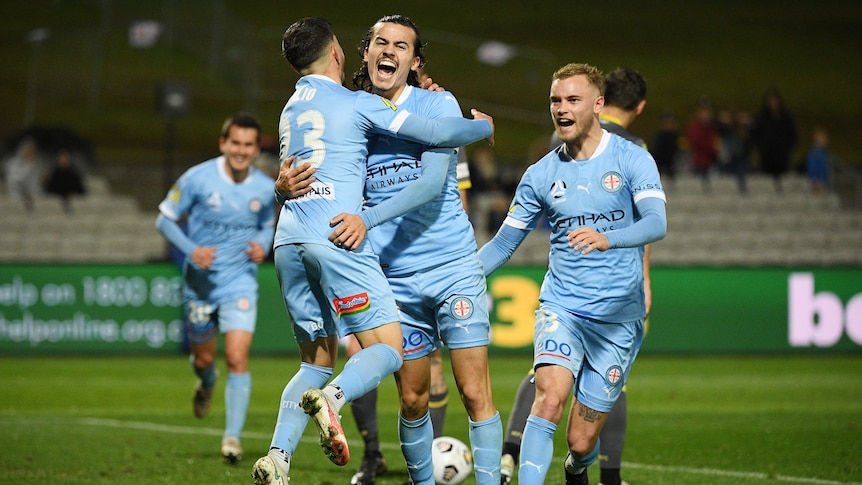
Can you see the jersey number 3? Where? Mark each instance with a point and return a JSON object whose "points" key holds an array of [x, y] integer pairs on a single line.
{"points": [[311, 123]]}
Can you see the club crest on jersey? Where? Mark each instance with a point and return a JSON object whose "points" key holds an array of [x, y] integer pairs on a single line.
{"points": [[612, 182], [613, 375], [214, 200], [389, 104], [461, 308], [243, 304], [352, 304], [254, 205], [558, 189]]}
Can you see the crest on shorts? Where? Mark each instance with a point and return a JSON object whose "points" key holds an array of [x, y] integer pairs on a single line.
{"points": [[614, 375], [461, 308], [612, 182]]}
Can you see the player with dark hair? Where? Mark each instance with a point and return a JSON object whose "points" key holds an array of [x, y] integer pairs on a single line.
{"points": [[603, 198], [231, 221], [331, 280], [428, 256]]}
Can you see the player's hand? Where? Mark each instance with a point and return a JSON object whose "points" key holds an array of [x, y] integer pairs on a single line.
{"points": [[478, 115], [349, 231], [585, 239], [255, 252], [428, 84], [203, 256], [294, 182]]}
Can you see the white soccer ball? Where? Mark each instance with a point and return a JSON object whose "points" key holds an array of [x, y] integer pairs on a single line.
{"points": [[452, 459]]}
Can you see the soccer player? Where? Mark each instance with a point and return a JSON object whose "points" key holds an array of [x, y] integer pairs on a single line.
{"points": [[365, 408], [625, 98], [333, 284], [603, 198], [428, 256], [231, 221]]}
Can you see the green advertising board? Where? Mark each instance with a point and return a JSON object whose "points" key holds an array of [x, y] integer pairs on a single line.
{"points": [[136, 308]]}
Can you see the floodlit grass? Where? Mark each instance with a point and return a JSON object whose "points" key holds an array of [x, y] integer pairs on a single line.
{"points": [[692, 420]]}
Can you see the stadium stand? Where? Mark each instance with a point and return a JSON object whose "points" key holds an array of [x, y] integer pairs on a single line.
{"points": [[104, 228], [720, 228], [761, 228]]}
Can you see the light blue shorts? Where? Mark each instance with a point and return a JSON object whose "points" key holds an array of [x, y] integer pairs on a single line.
{"points": [[599, 354], [446, 304], [204, 317], [332, 291]]}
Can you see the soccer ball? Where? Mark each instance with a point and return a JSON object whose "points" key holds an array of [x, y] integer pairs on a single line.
{"points": [[452, 460]]}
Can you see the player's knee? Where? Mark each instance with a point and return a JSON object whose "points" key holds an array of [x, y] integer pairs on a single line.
{"points": [[582, 446], [549, 406], [477, 400], [202, 360], [413, 406]]}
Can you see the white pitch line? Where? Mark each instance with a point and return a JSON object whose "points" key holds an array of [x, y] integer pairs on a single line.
{"points": [[165, 428], [729, 473]]}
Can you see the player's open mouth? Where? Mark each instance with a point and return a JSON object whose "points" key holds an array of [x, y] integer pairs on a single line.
{"points": [[387, 66], [563, 122]]}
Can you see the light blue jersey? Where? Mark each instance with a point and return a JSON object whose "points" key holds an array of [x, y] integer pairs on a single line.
{"points": [[224, 214], [434, 233], [429, 253], [600, 192], [328, 126]]}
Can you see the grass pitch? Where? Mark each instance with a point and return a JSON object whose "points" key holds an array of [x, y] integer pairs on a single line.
{"points": [[692, 420]]}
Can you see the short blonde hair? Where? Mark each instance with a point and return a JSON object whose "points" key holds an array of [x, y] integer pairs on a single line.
{"points": [[592, 73]]}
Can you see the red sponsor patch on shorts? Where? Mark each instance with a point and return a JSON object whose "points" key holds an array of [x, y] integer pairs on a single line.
{"points": [[352, 304]]}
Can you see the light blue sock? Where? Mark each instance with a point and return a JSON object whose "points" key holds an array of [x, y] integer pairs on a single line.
{"points": [[537, 450], [486, 439], [291, 420], [416, 437], [364, 371], [237, 392]]}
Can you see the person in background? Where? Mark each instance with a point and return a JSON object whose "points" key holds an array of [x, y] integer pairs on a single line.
{"points": [[817, 161], [774, 134], [702, 140], [230, 212], [665, 149], [24, 173], [64, 180], [734, 134], [590, 321]]}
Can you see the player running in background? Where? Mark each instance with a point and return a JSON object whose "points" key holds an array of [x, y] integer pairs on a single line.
{"points": [[229, 206], [603, 198], [332, 282], [625, 98]]}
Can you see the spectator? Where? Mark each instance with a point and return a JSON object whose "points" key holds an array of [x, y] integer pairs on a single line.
{"points": [[665, 147], [817, 162], [734, 145], [23, 173], [775, 134], [702, 140], [64, 180]]}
